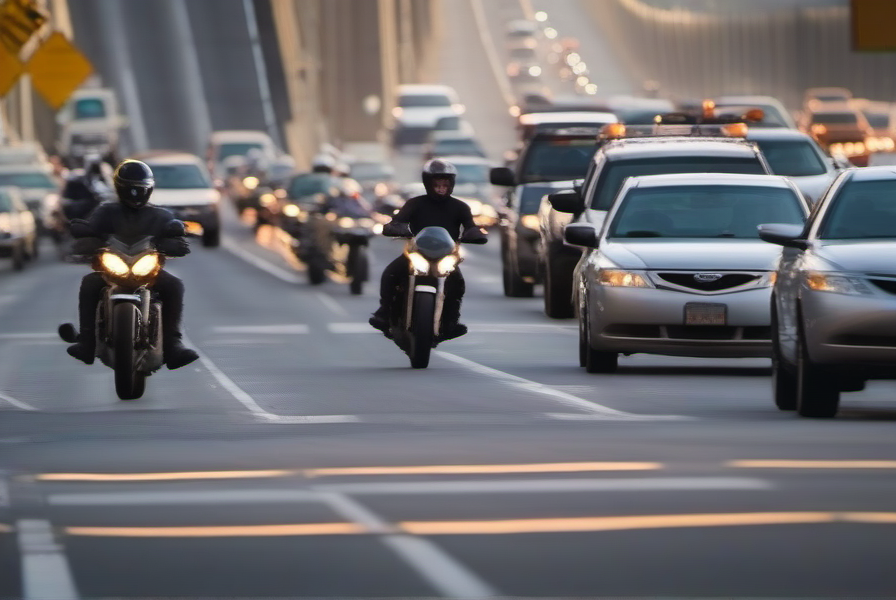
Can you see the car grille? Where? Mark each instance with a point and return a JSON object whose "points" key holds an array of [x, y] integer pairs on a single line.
{"points": [[726, 281], [689, 332], [887, 285]]}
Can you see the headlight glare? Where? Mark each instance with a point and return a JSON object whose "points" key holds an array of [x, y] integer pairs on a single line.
{"points": [[530, 222], [419, 262], [114, 264], [618, 278], [446, 265], [145, 265]]}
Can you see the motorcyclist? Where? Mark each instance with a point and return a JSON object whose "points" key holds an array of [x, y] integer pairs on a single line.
{"points": [[85, 190], [131, 217], [437, 207]]}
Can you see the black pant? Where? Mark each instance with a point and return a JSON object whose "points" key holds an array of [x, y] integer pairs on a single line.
{"points": [[394, 280], [168, 288]]}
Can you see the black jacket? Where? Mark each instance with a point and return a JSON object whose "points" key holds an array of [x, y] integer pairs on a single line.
{"points": [[131, 225], [423, 211]]}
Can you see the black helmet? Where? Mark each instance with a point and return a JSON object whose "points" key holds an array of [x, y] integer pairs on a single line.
{"points": [[133, 183], [438, 168]]}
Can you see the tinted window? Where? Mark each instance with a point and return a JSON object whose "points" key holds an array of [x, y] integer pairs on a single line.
{"points": [[462, 147], [523, 53], [179, 177], [530, 199], [557, 159], [237, 149], [418, 100], [617, 171], [837, 118], [472, 173], [705, 211], [792, 158], [862, 209], [27, 180], [90, 108], [310, 184]]}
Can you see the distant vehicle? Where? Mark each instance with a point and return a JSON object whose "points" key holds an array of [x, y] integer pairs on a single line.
{"points": [[377, 178], [835, 295], [473, 187], [18, 230], [418, 108], [634, 110], [224, 145], [839, 129], [814, 98], [89, 123], [453, 123], [23, 153], [37, 185], [183, 186], [451, 143], [797, 156], [530, 124], [523, 62], [679, 268], [881, 117], [520, 28], [774, 113]]}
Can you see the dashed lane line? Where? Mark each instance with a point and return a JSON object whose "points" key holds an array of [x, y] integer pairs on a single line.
{"points": [[17, 403], [45, 569]]}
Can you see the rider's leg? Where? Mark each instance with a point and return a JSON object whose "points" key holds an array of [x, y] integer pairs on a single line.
{"points": [[170, 291], [89, 296]]}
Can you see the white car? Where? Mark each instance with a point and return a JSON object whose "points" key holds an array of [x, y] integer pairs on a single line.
{"points": [[18, 232], [237, 143], [418, 108], [37, 185], [183, 186]]}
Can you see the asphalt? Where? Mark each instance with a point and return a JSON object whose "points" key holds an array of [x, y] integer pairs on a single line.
{"points": [[302, 457]]}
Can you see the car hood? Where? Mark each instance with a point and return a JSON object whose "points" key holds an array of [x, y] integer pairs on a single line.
{"points": [[723, 255], [865, 256], [813, 186], [184, 197]]}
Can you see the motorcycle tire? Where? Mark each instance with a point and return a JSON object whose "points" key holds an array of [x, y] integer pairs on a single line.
{"points": [[129, 384], [422, 329], [316, 273], [358, 269]]}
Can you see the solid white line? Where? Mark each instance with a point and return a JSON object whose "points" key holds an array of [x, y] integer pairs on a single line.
{"points": [[597, 410], [17, 403], [45, 570], [330, 303], [207, 497], [280, 273], [447, 576], [488, 44], [550, 486], [286, 329]]}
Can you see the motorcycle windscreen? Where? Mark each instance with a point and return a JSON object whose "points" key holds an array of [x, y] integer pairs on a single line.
{"points": [[434, 243]]}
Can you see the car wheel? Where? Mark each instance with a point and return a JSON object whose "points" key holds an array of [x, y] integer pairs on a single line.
{"points": [[211, 238], [18, 256], [557, 289], [583, 337], [784, 379], [818, 392], [597, 361], [514, 286]]}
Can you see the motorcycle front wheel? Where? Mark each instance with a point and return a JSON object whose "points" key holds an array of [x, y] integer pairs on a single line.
{"points": [[357, 269], [422, 329], [129, 384]]}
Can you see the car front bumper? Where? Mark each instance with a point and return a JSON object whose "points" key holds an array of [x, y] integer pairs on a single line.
{"points": [[197, 218]]}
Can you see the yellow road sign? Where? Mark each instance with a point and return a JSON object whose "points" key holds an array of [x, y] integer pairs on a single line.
{"points": [[11, 69], [19, 20], [57, 68]]}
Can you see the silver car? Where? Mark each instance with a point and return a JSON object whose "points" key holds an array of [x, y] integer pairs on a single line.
{"points": [[679, 268], [834, 302]]}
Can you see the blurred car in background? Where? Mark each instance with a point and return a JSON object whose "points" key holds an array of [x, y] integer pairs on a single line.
{"points": [[184, 187], [531, 123], [237, 144], [37, 184], [839, 129], [417, 109], [473, 187], [452, 143], [816, 97], [523, 60], [774, 113], [18, 229], [23, 153], [520, 29], [377, 178], [797, 156], [89, 123], [881, 117], [453, 123]]}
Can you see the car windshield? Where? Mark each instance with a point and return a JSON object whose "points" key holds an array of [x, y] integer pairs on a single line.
{"points": [[371, 171], [616, 172], [310, 184], [472, 173], [90, 108], [557, 159], [792, 158], [862, 210], [878, 120], [179, 177], [835, 118], [237, 149], [27, 180], [703, 211], [530, 198], [421, 101], [461, 147]]}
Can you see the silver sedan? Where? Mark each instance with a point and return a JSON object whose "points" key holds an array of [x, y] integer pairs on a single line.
{"points": [[679, 268], [834, 303]]}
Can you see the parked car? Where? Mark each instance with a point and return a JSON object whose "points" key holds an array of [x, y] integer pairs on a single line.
{"points": [[18, 230], [834, 301]]}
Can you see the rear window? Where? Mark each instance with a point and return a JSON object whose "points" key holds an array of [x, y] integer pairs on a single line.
{"points": [[616, 172], [557, 159], [179, 177], [423, 100], [862, 210], [530, 198], [477, 174], [703, 211], [462, 147], [311, 184], [836, 118], [792, 158], [237, 149]]}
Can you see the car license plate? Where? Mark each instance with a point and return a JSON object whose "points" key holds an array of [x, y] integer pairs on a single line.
{"points": [[704, 313]]}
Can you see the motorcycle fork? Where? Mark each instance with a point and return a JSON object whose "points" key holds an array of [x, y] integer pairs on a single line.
{"points": [[440, 305], [409, 302]]}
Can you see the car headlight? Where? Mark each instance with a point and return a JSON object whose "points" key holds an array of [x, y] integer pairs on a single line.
{"points": [[346, 222], [291, 210], [114, 264], [419, 262], [619, 278], [145, 265], [251, 182], [268, 199], [837, 284], [446, 265], [530, 222]]}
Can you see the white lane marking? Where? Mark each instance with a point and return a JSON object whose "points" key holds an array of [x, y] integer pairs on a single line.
{"points": [[597, 411], [280, 273], [314, 419], [446, 575], [209, 497], [17, 403], [45, 570], [351, 328], [529, 486], [488, 44], [30, 335], [286, 329], [330, 303]]}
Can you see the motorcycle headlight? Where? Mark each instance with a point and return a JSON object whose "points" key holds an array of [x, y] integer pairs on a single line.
{"points": [[837, 284], [145, 265], [346, 222], [251, 182], [419, 262], [114, 264], [619, 278], [291, 210], [268, 199], [446, 265], [530, 222]]}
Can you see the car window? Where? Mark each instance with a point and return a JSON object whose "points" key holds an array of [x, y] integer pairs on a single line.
{"points": [[463, 147], [90, 108], [530, 198], [835, 118], [878, 120], [861, 210], [5, 202], [310, 184], [704, 211], [792, 158], [472, 173], [28, 180], [179, 177], [616, 172], [366, 171], [557, 159], [423, 100], [237, 149]]}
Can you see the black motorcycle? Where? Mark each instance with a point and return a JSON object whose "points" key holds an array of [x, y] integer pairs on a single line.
{"points": [[351, 237]]}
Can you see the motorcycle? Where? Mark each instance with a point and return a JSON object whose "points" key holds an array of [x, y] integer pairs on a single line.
{"points": [[128, 318], [351, 237], [416, 319]]}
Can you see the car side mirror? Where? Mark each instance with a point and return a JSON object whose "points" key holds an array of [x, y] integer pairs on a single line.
{"points": [[567, 201], [580, 234], [789, 236], [501, 176]]}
